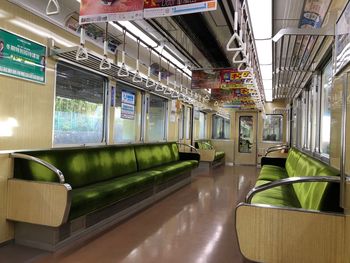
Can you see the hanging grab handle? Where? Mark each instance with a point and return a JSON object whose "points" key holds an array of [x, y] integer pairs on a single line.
{"points": [[123, 71], [105, 63], [82, 52], [137, 77], [54, 4]]}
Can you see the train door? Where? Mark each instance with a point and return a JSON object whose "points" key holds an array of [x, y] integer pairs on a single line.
{"points": [[246, 133]]}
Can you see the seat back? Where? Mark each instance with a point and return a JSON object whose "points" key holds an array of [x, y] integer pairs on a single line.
{"points": [[80, 167], [203, 144], [153, 155], [314, 195], [292, 161]]}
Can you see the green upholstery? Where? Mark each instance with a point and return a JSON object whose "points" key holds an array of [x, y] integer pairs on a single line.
{"points": [[277, 196], [96, 196], [154, 155], [80, 167], [219, 155], [105, 175], [292, 161], [170, 170], [313, 196], [272, 173]]}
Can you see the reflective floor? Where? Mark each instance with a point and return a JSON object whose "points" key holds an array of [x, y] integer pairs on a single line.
{"points": [[194, 224]]}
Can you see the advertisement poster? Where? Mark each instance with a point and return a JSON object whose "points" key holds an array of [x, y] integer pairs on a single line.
{"points": [[314, 13], [22, 58], [128, 97], [128, 105], [342, 39], [221, 79], [158, 8], [128, 111], [92, 11]]}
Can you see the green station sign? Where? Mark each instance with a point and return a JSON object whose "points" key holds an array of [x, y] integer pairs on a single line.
{"points": [[21, 58]]}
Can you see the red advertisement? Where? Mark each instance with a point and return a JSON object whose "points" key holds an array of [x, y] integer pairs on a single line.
{"points": [[202, 79], [92, 11], [158, 8]]}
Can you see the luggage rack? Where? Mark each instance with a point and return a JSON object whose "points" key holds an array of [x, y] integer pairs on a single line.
{"points": [[295, 57], [93, 62]]}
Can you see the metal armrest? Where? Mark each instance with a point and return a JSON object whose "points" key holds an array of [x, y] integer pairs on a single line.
{"points": [[188, 145], [276, 148], [41, 162], [289, 181]]}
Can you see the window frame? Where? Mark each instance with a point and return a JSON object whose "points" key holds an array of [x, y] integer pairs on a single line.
{"points": [[106, 102], [223, 119], [166, 116]]}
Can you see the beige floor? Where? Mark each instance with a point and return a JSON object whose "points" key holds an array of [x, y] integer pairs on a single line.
{"points": [[194, 225]]}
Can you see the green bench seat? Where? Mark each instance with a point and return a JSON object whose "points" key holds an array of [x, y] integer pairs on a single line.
{"points": [[102, 176], [208, 153], [306, 195]]}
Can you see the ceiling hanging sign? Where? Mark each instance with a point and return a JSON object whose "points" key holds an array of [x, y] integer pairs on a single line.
{"points": [[222, 79], [95, 11], [22, 58], [159, 8]]}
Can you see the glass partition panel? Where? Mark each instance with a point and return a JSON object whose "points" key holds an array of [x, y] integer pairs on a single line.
{"points": [[157, 118], [246, 135], [127, 117], [202, 125], [273, 127], [325, 130]]}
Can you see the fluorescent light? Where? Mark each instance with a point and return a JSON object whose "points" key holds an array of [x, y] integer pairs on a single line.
{"points": [[268, 95], [266, 71], [132, 28], [261, 17], [264, 49]]}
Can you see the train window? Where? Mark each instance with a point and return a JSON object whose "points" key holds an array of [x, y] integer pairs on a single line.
{"points": [[245, 134], [273, 127], [157, 118], [202, 125], [325, 130], [127, 117], [221, 128], [79, 106]]}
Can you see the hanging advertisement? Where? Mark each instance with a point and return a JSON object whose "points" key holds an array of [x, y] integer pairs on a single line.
{"points": [[159, 8], [94, 11], [314, 13], [342, 39], [128, 105], [221, 79], [22, 58]]}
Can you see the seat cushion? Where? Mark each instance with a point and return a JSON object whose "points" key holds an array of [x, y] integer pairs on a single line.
{"points": [[272, 173], [171, 170], [153, 155], [219, 155], [277, 196], [90, 198]]}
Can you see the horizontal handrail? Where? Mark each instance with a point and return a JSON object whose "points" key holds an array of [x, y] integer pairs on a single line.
{"points": [[188, 145], [276, 148], [289, 181], [41, 162]]}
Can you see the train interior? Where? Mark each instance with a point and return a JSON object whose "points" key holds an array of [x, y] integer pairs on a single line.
{"points": [[174, 131]]}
